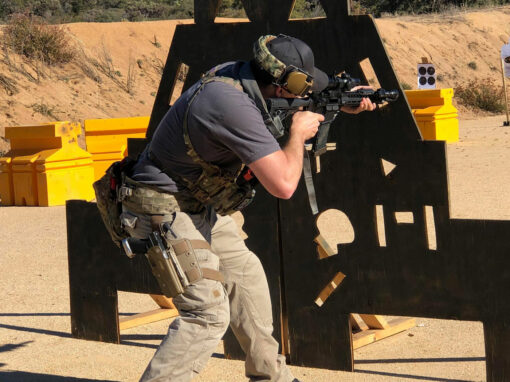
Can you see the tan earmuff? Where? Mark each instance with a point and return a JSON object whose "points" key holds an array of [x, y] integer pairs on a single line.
{"points": [[298, 83]]}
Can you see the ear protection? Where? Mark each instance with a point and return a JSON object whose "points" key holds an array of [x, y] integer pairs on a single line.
{"points": [[290, 77]]}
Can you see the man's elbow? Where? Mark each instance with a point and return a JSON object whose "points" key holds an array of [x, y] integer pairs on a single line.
{"points": [[284, 192]]}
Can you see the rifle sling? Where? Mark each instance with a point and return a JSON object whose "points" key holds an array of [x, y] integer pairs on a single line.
{"points": [[307, 173], [251, 88]]}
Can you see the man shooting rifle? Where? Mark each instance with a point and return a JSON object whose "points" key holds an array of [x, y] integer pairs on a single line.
{"points": [[191, 177]]}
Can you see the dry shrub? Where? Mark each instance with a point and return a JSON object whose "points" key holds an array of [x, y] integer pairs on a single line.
{"points": [[483, 94], [87, 65], [8, 85], [33, 38], [131, 77], [104, 64], [45, 109]]}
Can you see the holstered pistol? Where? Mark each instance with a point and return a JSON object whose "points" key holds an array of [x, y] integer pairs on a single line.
{"points": [[165, 266]]}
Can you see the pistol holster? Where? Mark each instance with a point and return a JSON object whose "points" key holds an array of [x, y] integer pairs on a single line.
{"points": [[175, 264]]}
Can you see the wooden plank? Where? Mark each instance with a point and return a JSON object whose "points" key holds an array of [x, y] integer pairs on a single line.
{"points": [[395, 326], [351, 181], [163, 301], [374, 322], [93, 296], [362, 339], [323, 248], [284, 327], [329, 288], [146, 318], [94, 315], [357, 322]]}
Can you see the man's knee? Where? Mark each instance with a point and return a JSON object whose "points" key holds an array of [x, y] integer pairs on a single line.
{"points": [[205, 298], [211, 314], [221, 316]]}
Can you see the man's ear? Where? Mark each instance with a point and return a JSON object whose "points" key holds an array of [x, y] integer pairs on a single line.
{"points": [[278, 91]]}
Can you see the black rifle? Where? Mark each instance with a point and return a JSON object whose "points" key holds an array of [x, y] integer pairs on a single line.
{"points": [[327, 102]]}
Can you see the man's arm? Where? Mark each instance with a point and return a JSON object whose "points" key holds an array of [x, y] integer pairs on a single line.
{"points": [[280, 171]]}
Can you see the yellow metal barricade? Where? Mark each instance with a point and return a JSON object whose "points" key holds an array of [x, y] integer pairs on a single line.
{"points": [[435, 114], [45, 166], [106, 139]]}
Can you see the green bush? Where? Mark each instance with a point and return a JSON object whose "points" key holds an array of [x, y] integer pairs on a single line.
{"points": [[44, 109], [482, 94], [182, 9], [48, 9], [32, 37], [307, 8], [378, 7], [231, 8], [103, 15], [142, 10]]}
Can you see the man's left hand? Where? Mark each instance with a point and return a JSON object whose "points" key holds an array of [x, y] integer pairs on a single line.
{"points": [[365, 104]]}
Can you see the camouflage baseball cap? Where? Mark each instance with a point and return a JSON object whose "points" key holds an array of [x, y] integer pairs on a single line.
{"points": [[275, 53]]}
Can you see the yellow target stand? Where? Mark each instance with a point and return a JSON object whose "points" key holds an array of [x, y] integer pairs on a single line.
{"points": [[45, 166], [106, 139], [435, 114]]}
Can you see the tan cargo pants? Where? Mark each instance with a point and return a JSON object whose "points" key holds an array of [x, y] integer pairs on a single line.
{"points": [[207, 307]]}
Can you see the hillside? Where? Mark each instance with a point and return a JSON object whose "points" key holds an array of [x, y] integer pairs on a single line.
{"points": [[119, 65]]}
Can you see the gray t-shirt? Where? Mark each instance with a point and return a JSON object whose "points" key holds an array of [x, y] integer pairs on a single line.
{"points": [[225, 127]]}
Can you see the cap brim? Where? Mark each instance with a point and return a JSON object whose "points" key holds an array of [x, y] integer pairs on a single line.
{"points": [[320, 80]]}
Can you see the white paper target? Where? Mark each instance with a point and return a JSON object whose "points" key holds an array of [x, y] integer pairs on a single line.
{"points": [[505, 56]]}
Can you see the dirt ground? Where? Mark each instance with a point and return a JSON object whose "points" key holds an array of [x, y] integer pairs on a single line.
{"points": [[35, 340]]}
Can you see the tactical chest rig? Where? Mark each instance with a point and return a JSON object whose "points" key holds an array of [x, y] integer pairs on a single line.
{"points": [[227, 192]]}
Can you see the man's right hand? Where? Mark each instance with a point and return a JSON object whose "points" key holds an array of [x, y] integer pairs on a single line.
{"points": [[305, 124], [280, 171]]}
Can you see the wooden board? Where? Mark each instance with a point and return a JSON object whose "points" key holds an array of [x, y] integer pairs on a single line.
{"points": [[147, 318], [97, 270], [93, 295], [163, 301], [357, 323], [374, 321], [394, 326]]}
